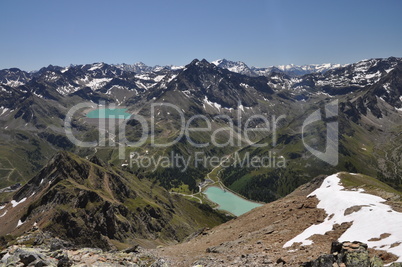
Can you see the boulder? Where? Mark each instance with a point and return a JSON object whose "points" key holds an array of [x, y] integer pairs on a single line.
{"points": [[356, 259], [350, 254]]}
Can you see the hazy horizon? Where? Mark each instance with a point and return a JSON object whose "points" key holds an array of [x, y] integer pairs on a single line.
{"points": [[261, 33]]}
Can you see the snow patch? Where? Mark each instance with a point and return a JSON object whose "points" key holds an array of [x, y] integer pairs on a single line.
{"points": [[97, 83], [15, 203], [176, 67], [387, 87], [212, 104], [64, 70], [3, 214], [4, 110], [371, 221], [14, 83], [241, 107], [159, 78], [38, 95], [187, 93], [246, 86], [388, 70], [65, 90], [172, 78], [96, 66]]}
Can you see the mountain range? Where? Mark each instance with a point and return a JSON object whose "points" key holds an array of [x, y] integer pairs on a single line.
{"points": [[33, 107], [91, 196], [290, 70]]}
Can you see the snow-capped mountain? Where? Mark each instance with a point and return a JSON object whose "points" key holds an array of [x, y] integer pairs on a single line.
{"points": [[141, 68], [126, 81], [238, 67], [295, 70], [291, 69]]}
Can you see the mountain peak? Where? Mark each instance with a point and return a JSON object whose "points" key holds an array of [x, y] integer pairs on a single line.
{"points": [[238, 67], [194, 61], [62, 165], [140, 64]]}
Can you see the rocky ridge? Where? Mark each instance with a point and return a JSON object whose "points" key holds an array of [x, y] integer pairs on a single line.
{"points": [[88, 203]]}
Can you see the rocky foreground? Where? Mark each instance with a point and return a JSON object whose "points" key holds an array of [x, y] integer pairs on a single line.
{"points": [[53, 253]]}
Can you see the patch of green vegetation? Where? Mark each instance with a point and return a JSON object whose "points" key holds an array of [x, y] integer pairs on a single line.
{"points": [[366, 182], [6, 241], [29, 242], [119, 245], [6, 197], [183, 188], [134, 204]]}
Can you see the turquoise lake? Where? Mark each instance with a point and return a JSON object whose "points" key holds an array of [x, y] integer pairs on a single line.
{"points": [[229, 201], [106, 113]]}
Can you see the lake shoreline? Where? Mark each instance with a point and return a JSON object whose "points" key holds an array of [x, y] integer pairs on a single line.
{"points": [[229, 202]]}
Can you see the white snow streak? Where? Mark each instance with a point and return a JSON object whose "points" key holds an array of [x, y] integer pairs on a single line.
{"points": [[15, 203]]}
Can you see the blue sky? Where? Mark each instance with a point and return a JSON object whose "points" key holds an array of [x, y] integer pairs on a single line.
{"points": [[260, 33]]}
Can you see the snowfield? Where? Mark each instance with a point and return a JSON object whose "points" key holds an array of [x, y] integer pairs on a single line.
{"points": [[373, 219]]}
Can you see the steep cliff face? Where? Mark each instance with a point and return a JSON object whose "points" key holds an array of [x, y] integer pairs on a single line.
{"points": [[91, 204]]}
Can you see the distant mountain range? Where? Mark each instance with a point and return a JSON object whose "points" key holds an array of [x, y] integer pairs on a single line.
{"points": [[35, 104], [241, 68], [234, 66], [291, 70]]}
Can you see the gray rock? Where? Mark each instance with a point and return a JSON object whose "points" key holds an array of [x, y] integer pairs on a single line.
{"points": [[27, 256], [213, 249], [57, 244], [351, 254], [9, 260], [376, 262], [159, 263], [357, 259], [324, 261], [133, 249], [64, 261], [41, 263]]}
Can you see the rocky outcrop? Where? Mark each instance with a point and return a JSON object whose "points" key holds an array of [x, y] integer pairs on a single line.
{"points": [[350, 254], [38, 248], [24, 256]]}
